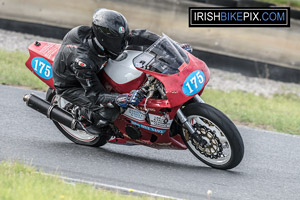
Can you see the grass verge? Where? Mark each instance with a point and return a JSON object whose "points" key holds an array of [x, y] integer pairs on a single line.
{"points": [[18, 181], [14, 72], [279, 113]]}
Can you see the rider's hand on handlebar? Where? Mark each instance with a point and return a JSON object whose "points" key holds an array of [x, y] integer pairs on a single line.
{"points": [[133, 98], [187, 47]]}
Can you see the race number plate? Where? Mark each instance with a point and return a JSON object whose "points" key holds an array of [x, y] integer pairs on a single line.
{"points": [[42, 67], [193, 83]]}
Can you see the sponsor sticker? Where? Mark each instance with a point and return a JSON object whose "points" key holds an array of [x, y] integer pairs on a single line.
{"points": [[148, 128], [135, 114], [160, 121], [42, 67], [80, 63], [71, 46], [121, 29]]}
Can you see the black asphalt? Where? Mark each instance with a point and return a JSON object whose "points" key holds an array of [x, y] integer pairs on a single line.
{"points": [[269, 169]]}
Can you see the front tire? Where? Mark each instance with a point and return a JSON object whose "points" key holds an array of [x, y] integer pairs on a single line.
{"points": [[76, 136], [225, 148]]}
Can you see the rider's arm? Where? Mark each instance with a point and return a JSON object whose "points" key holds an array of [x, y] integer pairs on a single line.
{"points": [[85, 73], [142, 37], [94, 90]]}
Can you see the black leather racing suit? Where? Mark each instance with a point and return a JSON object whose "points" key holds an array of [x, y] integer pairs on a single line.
{"points": [[75, 70]]}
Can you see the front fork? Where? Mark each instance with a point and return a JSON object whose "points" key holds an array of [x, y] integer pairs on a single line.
{"points": [[189, 126], [198, 99]]}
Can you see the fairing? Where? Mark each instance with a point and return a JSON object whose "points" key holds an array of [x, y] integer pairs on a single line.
{"points": [[121, 76], [164, 56], [174, 83], [41, 59], [182, 74]]}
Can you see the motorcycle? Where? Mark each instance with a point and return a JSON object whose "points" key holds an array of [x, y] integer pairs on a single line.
{"points": [[172, 115]]}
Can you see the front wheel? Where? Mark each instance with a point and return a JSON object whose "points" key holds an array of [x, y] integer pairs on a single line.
{"points": [[225, 147], [76, 136]]}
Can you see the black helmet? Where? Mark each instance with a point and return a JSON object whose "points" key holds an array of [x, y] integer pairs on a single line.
{"points": [[110, 29]]}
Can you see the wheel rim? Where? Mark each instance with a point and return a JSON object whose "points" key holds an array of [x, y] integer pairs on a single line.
{"points": [[217, 141], [77, 134]]}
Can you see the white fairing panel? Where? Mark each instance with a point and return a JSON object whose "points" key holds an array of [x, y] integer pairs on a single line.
{"points": [[122, 70]]}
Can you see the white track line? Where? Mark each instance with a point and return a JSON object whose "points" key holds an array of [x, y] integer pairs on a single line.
{"points": [[113, 187]]}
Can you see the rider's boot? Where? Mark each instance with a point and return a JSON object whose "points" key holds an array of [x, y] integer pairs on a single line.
{"points": [[95, 124], [85, 123]]}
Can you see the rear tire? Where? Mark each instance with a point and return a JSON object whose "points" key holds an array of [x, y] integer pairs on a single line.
{"points": [[213, 124], [76, 136]]}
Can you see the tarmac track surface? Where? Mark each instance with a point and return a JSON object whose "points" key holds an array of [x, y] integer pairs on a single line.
{"points": [[269, 169]]}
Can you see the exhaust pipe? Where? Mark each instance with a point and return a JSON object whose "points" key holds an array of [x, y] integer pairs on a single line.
{"points": [[53, 112]]}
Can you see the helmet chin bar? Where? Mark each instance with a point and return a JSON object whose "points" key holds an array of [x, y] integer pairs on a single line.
{"points": [[108, 53], [98, 43]]}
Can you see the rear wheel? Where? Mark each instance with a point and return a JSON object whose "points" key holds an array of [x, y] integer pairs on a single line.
{"points": [[225, 147], [76, 136]]}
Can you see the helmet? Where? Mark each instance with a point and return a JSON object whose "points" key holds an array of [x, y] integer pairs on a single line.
{"points": [[110, 31]]}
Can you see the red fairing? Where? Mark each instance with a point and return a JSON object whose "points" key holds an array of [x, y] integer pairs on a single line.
{"points": [[154, 135], [112, 86], [162, 141], [173, 83], [39, 52]]}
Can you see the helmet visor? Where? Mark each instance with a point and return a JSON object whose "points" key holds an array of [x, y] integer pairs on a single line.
{"points": [[111, 42]]}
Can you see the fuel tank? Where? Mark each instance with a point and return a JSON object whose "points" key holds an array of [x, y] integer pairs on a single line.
{"points": [[120, 75]]}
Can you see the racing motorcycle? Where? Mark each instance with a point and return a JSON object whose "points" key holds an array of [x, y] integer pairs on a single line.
{"points": [[172, 115]]}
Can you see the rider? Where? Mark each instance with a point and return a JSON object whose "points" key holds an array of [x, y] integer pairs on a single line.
{"points": [[84, 51]]}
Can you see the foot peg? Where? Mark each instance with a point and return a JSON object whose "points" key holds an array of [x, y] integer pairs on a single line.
{"points": [[103, 129], [91, 129]]}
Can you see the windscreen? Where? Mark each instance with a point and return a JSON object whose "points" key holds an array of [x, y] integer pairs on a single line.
{"points": [[163, 56]]}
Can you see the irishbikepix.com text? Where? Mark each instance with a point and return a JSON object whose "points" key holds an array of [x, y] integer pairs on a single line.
{"points": [[239, 17]]}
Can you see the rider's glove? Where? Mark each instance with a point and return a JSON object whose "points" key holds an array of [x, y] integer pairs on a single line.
{"points": [[187, 47], [133, 98]]}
